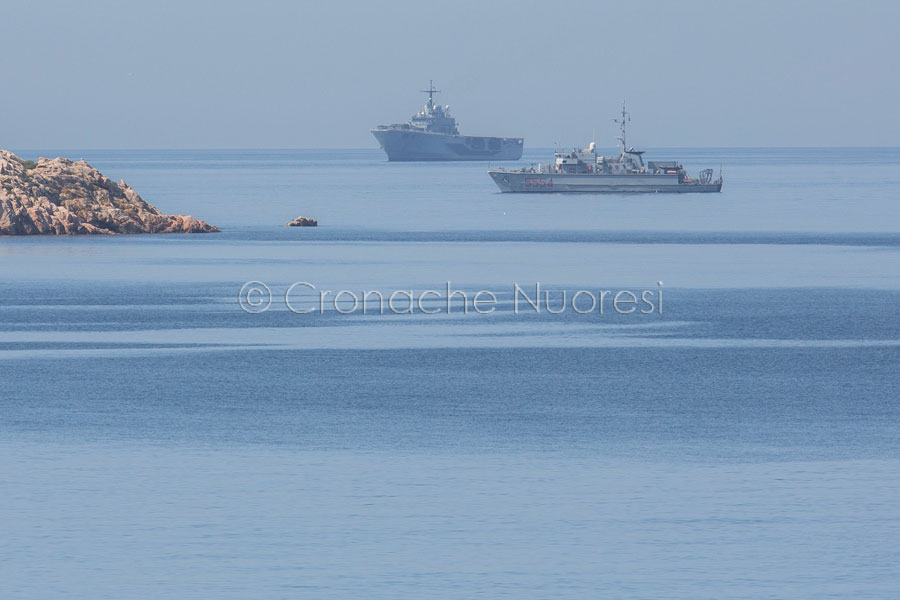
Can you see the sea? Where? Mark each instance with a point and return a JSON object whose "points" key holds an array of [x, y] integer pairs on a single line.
{"points": [[711, 412]]}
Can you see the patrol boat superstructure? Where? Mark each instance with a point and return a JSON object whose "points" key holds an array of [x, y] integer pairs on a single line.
{"points": [[432, 134], [583, 171]]}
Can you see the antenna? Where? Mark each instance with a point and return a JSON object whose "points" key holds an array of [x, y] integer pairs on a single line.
{"points": [[431, 92], [625, 118]]}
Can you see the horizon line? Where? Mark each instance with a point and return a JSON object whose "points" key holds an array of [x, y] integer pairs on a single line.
{"points": [[311, 148]]}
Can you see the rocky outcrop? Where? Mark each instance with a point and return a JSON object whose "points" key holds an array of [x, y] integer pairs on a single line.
{"points": [[302, 222], [60, 196]]}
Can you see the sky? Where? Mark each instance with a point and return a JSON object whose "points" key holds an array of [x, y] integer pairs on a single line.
{"points": [[288, 74]]}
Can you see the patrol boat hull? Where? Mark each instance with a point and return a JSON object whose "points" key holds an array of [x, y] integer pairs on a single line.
{"points": [[411, 145], [583, 170], [597, 183]]}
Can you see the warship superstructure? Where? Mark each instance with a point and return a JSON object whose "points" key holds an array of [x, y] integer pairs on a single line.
{"points": [[582, 170], [432, 134]]}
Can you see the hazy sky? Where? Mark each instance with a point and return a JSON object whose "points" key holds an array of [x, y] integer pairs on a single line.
{"points": [[321, 74]]}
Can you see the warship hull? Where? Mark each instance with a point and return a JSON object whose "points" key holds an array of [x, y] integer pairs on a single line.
{"points": [[409, 145], [519, 182]]}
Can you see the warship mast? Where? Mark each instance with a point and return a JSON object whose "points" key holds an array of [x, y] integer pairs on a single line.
{"points": [[431, 92]]}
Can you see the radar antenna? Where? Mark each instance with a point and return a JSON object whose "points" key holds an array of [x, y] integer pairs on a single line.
{"points": [[625, 118], [431, 92]]}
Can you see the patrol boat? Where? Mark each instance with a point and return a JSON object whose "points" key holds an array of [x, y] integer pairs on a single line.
{"points": [[581, 170], [432, 135]]}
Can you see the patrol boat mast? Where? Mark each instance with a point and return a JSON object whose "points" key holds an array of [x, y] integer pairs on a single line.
{"points": [[625, 117]]}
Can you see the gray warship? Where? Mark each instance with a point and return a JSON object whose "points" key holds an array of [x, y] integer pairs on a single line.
{"points": [[432, 135], [582, 170]]}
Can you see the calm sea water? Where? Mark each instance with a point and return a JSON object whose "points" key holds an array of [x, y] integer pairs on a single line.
{"points": [[156, 440]]}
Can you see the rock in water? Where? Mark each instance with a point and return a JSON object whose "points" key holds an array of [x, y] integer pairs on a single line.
{"points": [[60, 196], [303, 222]]}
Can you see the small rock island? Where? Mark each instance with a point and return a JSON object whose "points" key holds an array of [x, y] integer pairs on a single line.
{"points": [[302, 222], [60, 197]]}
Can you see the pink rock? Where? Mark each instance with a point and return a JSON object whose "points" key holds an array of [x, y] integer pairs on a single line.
{"points": [[59, 196]]}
